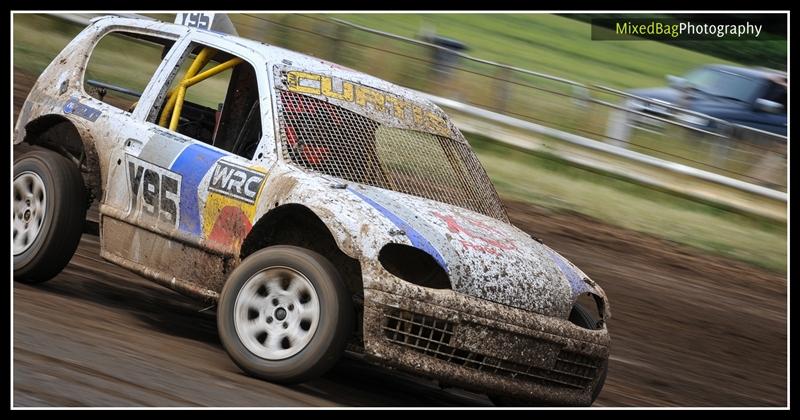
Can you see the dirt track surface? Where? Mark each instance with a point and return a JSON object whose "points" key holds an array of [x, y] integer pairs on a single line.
{"points": [[688, 329]]}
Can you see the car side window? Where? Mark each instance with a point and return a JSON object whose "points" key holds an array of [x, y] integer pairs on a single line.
{"points": [[776, 92], [213, 98], [113, 77]]}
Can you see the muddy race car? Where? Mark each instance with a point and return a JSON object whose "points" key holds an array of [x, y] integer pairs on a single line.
{"points": [[322, 210]]}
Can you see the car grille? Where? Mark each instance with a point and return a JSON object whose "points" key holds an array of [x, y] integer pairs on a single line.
{"points": [[433, 337]]}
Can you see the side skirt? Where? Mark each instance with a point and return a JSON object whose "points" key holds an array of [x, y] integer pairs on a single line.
{"points": [[184, 268]]}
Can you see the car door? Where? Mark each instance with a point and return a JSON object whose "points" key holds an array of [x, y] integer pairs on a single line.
{"points": [[138, 191], [186, 186], [124, 69]]}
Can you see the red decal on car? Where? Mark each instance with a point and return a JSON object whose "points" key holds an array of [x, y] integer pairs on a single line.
{"points": [[477, 230], [231, 225]]}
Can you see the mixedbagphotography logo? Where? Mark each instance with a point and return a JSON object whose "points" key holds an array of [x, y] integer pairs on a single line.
{"points": [[675, 30], [690, 27]]}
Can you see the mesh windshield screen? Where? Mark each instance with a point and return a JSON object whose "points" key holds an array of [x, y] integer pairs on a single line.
{"points": [[324, 137]]}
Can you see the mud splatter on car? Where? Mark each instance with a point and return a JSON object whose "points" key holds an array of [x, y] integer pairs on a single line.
{"points": [[318, 207]]}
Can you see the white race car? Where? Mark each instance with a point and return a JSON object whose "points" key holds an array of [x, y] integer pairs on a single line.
{"points": [[321, 209]]}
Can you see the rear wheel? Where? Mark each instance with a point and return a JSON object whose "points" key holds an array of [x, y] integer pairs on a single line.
{"points": [[583, 318], [49, 209], [285, 315]]}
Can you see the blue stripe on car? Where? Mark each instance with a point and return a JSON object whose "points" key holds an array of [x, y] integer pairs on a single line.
{"points": [[575, 280], [415, 237], [193, 163]]}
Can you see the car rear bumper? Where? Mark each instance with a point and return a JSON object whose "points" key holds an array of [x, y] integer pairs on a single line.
{"points": [[480, 345]]}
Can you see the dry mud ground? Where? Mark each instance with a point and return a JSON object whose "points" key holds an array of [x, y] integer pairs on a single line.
{"points": [[688, 329]]}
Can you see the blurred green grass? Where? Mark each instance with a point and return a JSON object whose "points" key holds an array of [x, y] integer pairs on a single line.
{"points": [[533, 178], [38, 38], [550, 182], [547, 43]]}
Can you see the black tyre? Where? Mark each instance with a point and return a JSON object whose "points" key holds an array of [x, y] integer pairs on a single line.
{"points": [[49, 211], [583, 318], [285, 315]]}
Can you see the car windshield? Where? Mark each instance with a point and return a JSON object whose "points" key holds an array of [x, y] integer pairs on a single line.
{"points": [[338, 128], [719, 82]]}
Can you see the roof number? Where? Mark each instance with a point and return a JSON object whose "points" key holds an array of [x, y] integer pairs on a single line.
{"points": [[196, 20]]}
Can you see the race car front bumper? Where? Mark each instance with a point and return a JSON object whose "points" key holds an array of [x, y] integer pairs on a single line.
{"points": [[481, 346]]}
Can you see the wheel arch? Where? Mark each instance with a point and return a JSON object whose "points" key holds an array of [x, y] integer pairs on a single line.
{"points": [[59, 134], [297, 224]]}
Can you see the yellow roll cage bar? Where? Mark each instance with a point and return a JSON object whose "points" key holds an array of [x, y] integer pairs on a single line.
{"points": [[174, 106]]}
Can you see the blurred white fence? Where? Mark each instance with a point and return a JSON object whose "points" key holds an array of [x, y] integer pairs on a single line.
{"points": [[736, 166]]}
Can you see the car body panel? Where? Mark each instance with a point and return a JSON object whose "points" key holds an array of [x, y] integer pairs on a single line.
{"points": [[177, 210]]}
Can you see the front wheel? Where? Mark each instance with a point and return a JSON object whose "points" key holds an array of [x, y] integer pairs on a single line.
{"points": [[285, 315]]}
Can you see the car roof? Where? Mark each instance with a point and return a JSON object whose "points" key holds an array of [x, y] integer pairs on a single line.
{"points": [[276, 55], [754, 72]]}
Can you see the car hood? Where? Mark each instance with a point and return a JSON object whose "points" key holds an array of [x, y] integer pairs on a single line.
{"points": [[662, 94], [694, 101], [484, 257]]}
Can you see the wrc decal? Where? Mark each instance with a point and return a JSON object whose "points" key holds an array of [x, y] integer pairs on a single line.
{"points": [[235, 181]]}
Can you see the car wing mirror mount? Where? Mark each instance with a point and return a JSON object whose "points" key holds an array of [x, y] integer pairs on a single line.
{"points": [[765, 105], [677, 82]]}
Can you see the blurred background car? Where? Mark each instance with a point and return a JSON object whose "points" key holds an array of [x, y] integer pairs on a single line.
{"points": [[731, 95]]}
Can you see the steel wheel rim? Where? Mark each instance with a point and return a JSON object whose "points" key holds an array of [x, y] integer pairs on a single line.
{"points": [[30, 208], [276, 313]]}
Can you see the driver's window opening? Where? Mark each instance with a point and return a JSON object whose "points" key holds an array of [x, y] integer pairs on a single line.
{"points": [[776, 92], [112, 77], [213, 98]]}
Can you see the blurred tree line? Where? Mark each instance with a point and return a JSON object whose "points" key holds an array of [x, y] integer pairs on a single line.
{"points": [[770, 53]]}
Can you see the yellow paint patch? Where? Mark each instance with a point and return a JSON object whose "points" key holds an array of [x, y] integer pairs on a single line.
{"points": [[216, 202]]}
